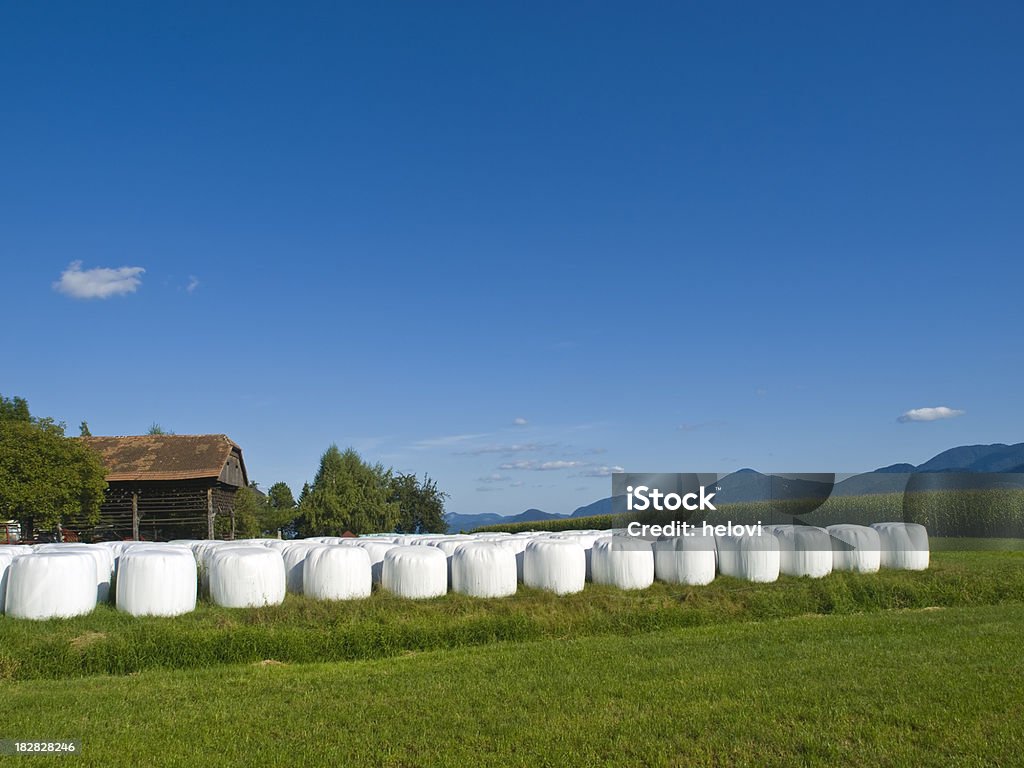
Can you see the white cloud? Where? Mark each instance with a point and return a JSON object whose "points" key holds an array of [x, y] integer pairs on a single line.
{"points": [[446, 440], [493, 478], [193, 283], [930, 414], [602, 471], [542, 466], [507, 449], [519, 421], [99, 282]]}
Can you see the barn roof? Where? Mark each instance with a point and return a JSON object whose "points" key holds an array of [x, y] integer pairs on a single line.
{"points": [[164, 457]]}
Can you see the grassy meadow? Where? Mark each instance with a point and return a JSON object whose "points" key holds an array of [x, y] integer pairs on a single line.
{"points": [[894, 668]]}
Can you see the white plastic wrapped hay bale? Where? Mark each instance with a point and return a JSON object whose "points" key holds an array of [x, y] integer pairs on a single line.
{"points": [[903, 546], [686, 559], [555, 565], [804, 550], [752, 557], [415, 572], [104, 558], [517, 546], [5, 568], [294, 556], [484, 569], [154, 581], [336, 573], [376, 549], [586, 540], [246, 577], [48, 585], [855, 548], [625, 562]]}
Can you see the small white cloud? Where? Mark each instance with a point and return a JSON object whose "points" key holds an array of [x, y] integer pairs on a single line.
{"points": [[930, 414], [99, 282], [519, 421], [193, 283], [516, 484], [494, 477], [693, 426], [602, 471], [542, 466], [507, 449]]}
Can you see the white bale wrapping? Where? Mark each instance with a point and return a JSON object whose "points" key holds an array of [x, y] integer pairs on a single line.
{"points": [[903, 545], [246, 577], [804, 550], [625, 562], [484, 569], [686, 559], [104, 558], [586, 540], [5, 567], [337, 573], [517, 546], [294, 556], [376, 549], [751, 557], [156, 582], [415, 572], [47, 585], [555, 565], [855, 548]]}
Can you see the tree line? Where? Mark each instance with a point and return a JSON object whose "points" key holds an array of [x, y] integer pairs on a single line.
{"points": [[347, 495], [48, 479]]}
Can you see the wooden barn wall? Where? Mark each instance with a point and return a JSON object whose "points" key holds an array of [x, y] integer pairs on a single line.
{"points": [[167, 510]]}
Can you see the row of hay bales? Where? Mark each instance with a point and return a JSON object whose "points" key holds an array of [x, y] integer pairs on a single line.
{"points": [[142, 578]]}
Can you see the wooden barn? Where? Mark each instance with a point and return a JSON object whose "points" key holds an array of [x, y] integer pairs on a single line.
{"points": [[164, 487]]}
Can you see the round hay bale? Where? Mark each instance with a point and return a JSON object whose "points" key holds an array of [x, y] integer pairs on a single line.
{"points": [[625, 562], [749, 557], [337, 573], [156, 582], [415, 572], [855, 548], [484, 569], [804, 550], [376, 549], [686, 559], [104, 558], [48, 585], [246, 577], [903, 546], [555, 565]]}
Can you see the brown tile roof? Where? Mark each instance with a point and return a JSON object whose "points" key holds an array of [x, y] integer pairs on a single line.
{"points": [[163, 457]]}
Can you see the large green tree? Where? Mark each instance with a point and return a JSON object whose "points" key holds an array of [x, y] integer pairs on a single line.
{"points": [[420, 504], [46, 479], [347, 494], [279, 511]]}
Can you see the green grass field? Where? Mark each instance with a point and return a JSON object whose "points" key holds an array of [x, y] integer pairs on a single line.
{"points": [[886, 669]]}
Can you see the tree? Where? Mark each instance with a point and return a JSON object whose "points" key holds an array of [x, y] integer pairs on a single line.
{"points": [[421, 504], [46, 479], [83, 429], [347, 494], [279, 511], [156, 429], [248, 505]]}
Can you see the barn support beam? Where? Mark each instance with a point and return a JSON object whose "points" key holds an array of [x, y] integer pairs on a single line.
{"points": [[135, 515], [209, 513]]}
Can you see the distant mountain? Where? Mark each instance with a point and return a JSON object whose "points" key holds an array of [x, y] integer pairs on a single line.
{"points": [[956, 468], [458, 523]]}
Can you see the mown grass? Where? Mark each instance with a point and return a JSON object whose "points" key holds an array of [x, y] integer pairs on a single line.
{"points": [[303, 630], [903, 688]]}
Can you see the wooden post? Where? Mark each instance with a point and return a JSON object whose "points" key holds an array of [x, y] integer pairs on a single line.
{"points": [[209, 513], [135, 515], [232, 521]]}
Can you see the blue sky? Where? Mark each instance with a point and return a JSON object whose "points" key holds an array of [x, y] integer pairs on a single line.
{"points": [[665, 237]]}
